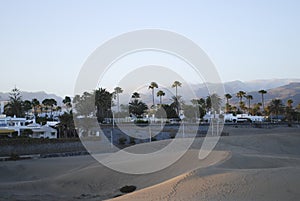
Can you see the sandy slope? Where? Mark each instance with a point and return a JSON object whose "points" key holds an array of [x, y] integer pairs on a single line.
{"points": [[253, 164]]}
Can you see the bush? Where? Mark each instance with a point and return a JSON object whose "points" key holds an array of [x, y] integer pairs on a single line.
{"points": [[132, 140], [14, 157], [127, 189], [122, 140]]}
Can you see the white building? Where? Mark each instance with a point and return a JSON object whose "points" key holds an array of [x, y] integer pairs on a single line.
{"points": [[15, 124]]}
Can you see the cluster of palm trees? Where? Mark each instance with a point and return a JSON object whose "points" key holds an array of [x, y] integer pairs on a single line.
{"points": [[275, 108], [138, 108], [242, 105]]}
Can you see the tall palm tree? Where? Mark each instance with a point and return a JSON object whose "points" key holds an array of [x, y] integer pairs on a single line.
{"points": [[117, 91], [249, 98], [240, 95], [160, 93], [262, 92], [176, 84], [152, 86], [227, 96]]}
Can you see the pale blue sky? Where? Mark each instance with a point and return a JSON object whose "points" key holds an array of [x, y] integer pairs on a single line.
{"points": [[43, 44]]}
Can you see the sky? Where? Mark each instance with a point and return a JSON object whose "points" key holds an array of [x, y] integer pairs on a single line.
{"points": [[43, 44]]}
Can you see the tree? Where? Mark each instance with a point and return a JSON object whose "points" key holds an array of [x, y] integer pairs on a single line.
{"points": [[249, 98], [35, 104], [166, 111], [290, 103], [256, 109], [227, 96], [160, 93], [240, 95], [262, 92], [84, 104], [152, 86], [103, 102], [66, 126], [49, 103], [216, 102], [27, 105], [289, 110], [137, 107], [208, 103], [276, 107], [176, 104], [117, 91], [176, 84], [67, 102], [14, 106], [135, 95], [201, 103]]}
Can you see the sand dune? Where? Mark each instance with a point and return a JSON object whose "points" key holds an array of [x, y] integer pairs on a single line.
{"points": [[251, 164]]}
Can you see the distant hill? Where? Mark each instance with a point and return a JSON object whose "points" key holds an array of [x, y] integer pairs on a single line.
{"points": [[277, 88], [289, 91], [40, 95]]}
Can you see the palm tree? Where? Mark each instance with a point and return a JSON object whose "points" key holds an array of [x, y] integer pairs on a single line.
{"points": [[262, 92], [176, 104], [227, 96], [135, 95], [35, 103], [117, 91], [137, 107], [160, 93], [152, 86], [276, 107], [240, 95], [249, 98], [176, 84], [289, 110], [68, 102]]}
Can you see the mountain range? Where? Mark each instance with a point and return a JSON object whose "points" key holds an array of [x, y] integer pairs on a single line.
{"points": [[40, 95], [276, 88]]}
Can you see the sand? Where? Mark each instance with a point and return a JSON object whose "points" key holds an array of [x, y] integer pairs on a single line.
{"points": [[250, 164]]}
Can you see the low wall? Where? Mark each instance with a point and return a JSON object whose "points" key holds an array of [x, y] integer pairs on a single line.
{"points": [[6, 149]]}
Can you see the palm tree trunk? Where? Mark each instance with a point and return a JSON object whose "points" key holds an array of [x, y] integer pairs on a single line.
{"points": [[118, 102], [153, 96], [263, 104]]}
